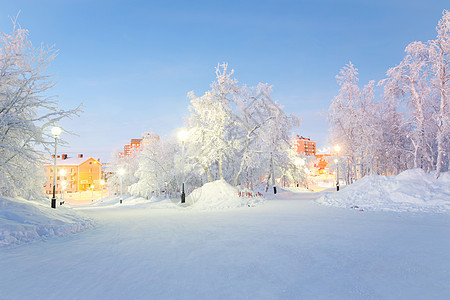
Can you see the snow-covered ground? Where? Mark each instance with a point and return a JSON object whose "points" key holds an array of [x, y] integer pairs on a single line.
{"points": [[23, 221], [410, 191], [288, 247]]}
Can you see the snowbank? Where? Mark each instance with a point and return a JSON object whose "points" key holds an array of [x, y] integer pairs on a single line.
{"points": [[412, 190], [218, 195], [23, 221], [135, 202]]}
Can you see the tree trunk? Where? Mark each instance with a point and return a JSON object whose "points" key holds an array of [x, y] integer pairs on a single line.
{"points": [[220, 168]]}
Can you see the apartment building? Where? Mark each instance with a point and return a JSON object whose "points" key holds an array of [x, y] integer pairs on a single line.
{"points": [[304, 145], [74, 174]]}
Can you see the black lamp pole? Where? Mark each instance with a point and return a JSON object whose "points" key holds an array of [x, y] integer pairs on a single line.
{"points": [[54, 173], [183, 195]]}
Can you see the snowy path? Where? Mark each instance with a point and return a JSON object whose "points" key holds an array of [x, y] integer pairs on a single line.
{"points": [[284, 249]]}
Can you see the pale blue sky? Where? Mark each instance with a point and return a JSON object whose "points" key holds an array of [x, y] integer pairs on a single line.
{"points": [[132, 62]]}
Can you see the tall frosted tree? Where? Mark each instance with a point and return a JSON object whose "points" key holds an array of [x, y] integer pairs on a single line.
{"points": [[237, 130], [352, 120], [26, 112], [440, 84], [410, 83]]}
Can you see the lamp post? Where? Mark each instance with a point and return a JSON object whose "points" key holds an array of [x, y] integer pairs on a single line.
{"points": [[92, 192], [121, 172], [182, 135], [298, 162], [102, 184], [62, 173], [63, 187], [337, 148], [56, 131]]}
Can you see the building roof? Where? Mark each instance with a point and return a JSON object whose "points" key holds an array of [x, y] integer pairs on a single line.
{"points": [[71, 161], [136, 141]]}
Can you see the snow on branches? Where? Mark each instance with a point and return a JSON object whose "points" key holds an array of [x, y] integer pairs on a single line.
{"points": [[409, 126], [235, 133], [26, 112]]}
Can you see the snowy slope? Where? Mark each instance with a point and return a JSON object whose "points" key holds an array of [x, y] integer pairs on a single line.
{"points": [[412, 190], [218, 195], [23, 221]]}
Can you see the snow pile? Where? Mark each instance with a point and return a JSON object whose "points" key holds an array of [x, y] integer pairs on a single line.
{"points": [[220, 195], [412, 190], [23, 221], [135, 202]]}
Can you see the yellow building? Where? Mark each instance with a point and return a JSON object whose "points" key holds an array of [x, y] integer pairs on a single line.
{"points": [[74, 174]]}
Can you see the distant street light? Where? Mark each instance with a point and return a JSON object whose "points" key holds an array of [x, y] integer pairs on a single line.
{"points": [[56, 131], [62, 172], [63, 187], [182, 136], [102, 184], [121, 172], [337, 148], [92, 192], [298, 162]]}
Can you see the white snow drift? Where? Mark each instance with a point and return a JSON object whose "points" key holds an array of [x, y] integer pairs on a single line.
{"points": [[23, 221], [221, 195], [413, 190]]}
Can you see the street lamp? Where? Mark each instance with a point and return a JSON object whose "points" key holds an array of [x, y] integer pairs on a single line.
{"points": [[121, 172], [56, 131], [62, 173], [92, 192], [102, 184], [337, 148], [298, 162], [182, 136]]}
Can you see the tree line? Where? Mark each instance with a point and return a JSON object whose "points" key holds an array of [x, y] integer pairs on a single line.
{"points": [[233, 132], [408, 125]]}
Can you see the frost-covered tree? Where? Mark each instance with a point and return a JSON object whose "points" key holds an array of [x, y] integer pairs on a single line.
{"points": [[129, 166], [409, 126], [422, 83], [156, 168], [238, 131], [352, 117], [410, 83], [26, 112], [440, 84]]}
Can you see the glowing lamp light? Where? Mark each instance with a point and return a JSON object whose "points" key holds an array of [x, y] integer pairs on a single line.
{"points": [[121, 172], [336, 161], [337, 148], [183, 135], [299, 162], [56, 131], [62, 172]]}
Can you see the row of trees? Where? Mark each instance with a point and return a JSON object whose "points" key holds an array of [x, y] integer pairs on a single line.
{"points": [[234, 132], [408, 127], [27, 113]]}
